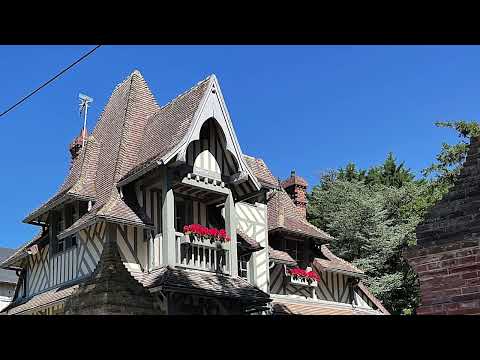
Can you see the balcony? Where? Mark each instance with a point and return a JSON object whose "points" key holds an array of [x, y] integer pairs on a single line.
{"points": [[198, 253]]}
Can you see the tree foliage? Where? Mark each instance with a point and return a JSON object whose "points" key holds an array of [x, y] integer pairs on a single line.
{"points": [[372, 215], [451, 157]]}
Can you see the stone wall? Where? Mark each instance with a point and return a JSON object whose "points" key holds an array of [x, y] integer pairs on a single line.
{"points": [[447, 257]]}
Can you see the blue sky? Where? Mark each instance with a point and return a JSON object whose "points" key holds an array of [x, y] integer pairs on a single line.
{"points": [[311, 108]]}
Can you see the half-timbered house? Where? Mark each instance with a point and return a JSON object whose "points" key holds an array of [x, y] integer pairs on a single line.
{"points": [[115, 238]]}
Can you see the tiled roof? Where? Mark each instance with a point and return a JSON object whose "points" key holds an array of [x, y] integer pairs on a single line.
{"points": [[280, 257], [22, 248], [7, 276], [334, 263], [132, 131], [212, 284], [168, 126], [282, 212], [372, 298], [284, 215], [261, 172], [78, 182], [291, 307], [40, 300], [248, 241], [116, 137]]}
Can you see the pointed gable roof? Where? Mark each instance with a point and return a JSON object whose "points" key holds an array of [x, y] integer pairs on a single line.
{"points": [[116, 137], [166, 128]]}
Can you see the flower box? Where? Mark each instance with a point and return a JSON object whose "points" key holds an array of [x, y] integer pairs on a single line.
{"points": [[303, 281], [190, 239], [206, 233], [299, 276]]}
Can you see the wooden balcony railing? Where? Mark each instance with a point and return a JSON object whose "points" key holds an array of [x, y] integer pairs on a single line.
{"points": [[201, 254]]}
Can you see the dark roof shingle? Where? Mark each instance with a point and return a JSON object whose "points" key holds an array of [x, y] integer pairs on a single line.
{"points": [[334, 263], [209, 283], [261, 172]]}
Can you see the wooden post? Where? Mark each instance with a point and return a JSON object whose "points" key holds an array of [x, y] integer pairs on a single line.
{"points": [[168, 220], [231, 228]]}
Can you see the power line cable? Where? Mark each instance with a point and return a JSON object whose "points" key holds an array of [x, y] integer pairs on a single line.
{"points": [[49, 81]]}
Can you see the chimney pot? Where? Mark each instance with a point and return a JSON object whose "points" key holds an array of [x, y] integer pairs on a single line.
{"points": [[77, 144], [295, 186]]}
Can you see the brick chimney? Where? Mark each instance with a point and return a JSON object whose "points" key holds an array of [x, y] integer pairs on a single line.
{"points": [[296, 188], [76, 144]]}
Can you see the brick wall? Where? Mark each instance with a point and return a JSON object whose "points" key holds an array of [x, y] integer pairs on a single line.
{"points": [[447, 257], [449, 275]]}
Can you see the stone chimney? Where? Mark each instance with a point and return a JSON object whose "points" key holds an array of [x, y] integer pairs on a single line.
{"points": [[76, 144], [296, 188]]}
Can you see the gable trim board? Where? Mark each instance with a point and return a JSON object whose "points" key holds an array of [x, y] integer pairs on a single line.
{"points": [[193, 133]]}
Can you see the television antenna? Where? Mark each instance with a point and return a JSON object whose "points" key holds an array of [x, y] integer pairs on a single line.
{"points": [[84, 101]]}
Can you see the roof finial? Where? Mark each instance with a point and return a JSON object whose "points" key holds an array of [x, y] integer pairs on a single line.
{"points": [[84, 101]]}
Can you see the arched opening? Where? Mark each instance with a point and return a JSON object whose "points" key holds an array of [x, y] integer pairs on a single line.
{"points": [[209, 152]]}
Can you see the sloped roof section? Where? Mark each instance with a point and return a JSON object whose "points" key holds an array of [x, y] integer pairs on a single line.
{"points": [[248, 241], [16, 254], [372, 298], [335, 264], [280, 257], [40, 301], [291, 307], [166, 128], [212, 284], [261, 172], [116, 137], [131, 132], [119, 131], [284, 215]]}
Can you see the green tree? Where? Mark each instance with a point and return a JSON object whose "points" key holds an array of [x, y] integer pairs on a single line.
{"points": [[373, 213], [389, 173], [450, 158], [371, 224]]}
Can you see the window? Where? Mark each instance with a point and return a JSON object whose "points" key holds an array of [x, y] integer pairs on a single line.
{"points": [[183, 212], [180, 215], [60, 224], [214, 217], [294, 249], [82, 208], [242, 267]]}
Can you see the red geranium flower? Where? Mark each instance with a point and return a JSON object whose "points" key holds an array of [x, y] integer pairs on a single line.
{"points": [[203, 231]]}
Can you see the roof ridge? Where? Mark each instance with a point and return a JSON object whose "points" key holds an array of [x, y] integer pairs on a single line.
{"points": [[113, 93], [119, 158]]}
